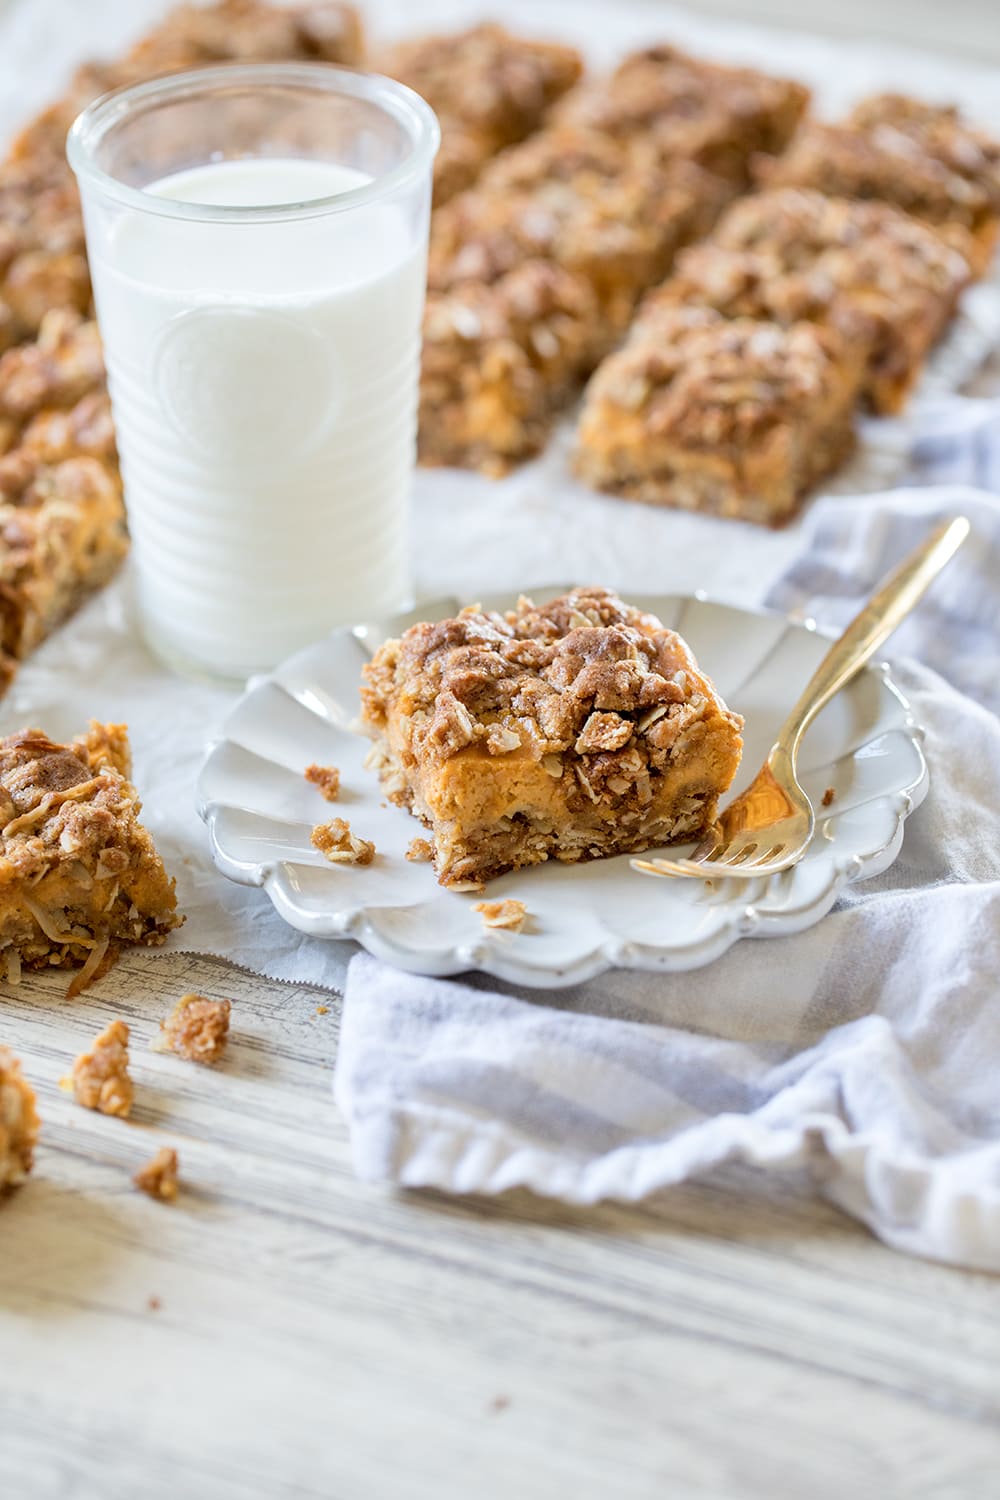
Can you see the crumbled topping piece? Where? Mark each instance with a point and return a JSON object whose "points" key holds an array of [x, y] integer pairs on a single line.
{"points": [[197, 1028], [18, 1122], [158, 1177], [100, 1078], [510, 915], [828, 796], [327, 779], [340, 846], [420, 851]]}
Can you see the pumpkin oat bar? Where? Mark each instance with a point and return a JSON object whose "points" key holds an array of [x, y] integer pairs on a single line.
{"points": [[690, 110], [488, 88], [735, 417], [869, 269], [571, 730], [533, 277], [612, 214], [499, 360], [924, 160], [79, 875]]}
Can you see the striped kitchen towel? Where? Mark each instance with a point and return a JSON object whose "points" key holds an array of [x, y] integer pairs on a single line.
{"points": [[862, 1053]]}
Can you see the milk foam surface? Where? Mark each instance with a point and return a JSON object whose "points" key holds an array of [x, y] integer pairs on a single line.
{"points": [[263, 377]]}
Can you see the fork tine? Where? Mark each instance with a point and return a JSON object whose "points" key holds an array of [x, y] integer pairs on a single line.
{"points": [[665, 867]]}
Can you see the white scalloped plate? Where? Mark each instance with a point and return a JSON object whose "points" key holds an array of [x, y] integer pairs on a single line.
{"points": [[584, 918]]}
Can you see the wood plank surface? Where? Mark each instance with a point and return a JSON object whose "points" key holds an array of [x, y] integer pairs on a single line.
{"points": [[284, 1330]]}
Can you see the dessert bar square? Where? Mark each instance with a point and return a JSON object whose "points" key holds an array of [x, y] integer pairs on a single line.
{"points": [[569, 730], [924, 161], [734, 417], [498, 360], [612, 214], [690, 110], [62, 535], [79, 875], [193, 35], [488, 88], [869, 269], [534, 274]]}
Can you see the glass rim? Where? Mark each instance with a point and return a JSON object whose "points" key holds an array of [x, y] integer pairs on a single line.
{"points": [[407, 107]]}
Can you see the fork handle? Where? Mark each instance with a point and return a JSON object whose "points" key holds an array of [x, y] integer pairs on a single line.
{"points": [[883, 613]]}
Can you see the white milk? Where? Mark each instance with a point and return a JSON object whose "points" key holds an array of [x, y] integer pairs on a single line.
{"points": [[263, 378]]}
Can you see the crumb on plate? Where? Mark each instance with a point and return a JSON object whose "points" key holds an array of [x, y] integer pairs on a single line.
{"points": [[420, 851], [829, 795], [326, 779], [510, 915], [340, 846]]}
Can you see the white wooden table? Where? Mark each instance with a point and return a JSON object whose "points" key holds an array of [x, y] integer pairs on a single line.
{"points": [[283, 1331]]}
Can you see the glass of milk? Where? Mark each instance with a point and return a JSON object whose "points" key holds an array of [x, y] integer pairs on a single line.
{"points": [[257, 239]]}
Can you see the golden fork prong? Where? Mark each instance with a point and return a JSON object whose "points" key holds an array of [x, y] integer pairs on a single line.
{"points": [[665, 867]]}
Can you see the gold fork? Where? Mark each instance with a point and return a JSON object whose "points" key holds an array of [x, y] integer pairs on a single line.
{"points": [[768, 827]]}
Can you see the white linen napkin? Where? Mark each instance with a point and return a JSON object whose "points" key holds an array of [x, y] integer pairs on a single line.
{"points": [[866, 1050]]}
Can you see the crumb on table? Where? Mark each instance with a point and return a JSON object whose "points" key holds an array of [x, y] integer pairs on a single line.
{"points": [[340, 846], [197, 1028], [510, 915], [99, 1079], [326, 779], [322, 1010], [158, 1178], [18, 1122], [829, 795], [420, 851]]}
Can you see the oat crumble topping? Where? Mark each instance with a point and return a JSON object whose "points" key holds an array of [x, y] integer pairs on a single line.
{"points": [[158, 1179], [198, 1028], [19, 1123], [100, 1079], [340, 846], [326, 779], [510, 915]]}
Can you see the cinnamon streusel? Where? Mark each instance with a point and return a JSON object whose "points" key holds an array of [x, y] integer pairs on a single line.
{"points": [[571, 730]]}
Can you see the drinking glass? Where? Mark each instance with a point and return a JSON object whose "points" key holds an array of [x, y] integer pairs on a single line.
{"points": [[257, 237]]}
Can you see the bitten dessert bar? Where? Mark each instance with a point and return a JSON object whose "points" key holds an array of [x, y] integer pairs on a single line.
{"points": [[593, 211], [79, 875], [570, 730]]}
